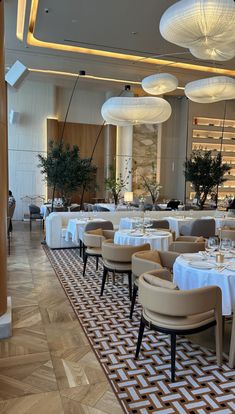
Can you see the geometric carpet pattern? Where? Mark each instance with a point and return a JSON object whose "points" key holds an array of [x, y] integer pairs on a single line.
{"points": [[143, 386]]}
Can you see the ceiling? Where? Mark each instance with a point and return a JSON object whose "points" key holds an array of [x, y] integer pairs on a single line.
{"points": [[128, 28]]}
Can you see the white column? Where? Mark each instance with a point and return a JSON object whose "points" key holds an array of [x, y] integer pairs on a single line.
{"points": [[124, 145]]}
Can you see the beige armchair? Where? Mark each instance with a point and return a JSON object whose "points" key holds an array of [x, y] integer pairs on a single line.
{"points": [[227, 234], [188, 244], [93, 240], [145, 261], [178, 312], [117, 258]]}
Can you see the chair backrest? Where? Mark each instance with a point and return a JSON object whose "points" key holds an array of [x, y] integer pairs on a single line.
{"points": [[172, 302], [186, 247], [100, 208], [144, 261], [11, 210], [59, 208], [92, 225], [75, 208], [120, 253], [203, 227], [33, 209], [160, 224], [227, 234]]}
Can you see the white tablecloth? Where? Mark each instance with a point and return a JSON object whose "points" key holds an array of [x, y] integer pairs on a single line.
{"points": [[158, 240], [176, 223], [75, 229], [44, 210], [188, 277], [128, 223]]}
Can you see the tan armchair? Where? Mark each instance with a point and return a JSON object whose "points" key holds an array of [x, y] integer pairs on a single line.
{"points": [[93, 240], [151, 260], [117, 258], [227, 234], [178, 312], [188, 244]]}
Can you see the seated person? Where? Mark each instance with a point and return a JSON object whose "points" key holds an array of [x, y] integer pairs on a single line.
{"points": [[173, 204], [11, 199], [231, 205]]}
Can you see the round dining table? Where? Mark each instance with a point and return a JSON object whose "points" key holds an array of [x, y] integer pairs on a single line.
{"points": [[195, 270], [158, 239]]}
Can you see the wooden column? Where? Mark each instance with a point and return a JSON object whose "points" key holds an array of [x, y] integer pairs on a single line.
{"points": [[3, 170]]}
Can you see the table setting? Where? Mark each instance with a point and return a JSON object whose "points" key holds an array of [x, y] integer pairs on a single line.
{"points": [[158, 239]]}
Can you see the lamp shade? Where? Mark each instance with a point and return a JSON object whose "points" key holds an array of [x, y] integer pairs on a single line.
{"points": [[206, 27], [159, 83], [128, 196], [124, 111], [209, 90]]}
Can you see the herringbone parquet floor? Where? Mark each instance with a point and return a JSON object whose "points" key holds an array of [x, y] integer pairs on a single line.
{"points": [[47, 366]]}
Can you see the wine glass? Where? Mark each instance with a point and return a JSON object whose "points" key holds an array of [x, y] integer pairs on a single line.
{"points": [[212, 244]]}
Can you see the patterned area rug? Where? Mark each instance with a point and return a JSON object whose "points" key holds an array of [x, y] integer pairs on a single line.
{"points": [[142, 386]]}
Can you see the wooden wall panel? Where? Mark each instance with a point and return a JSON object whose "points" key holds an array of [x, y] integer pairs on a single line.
{"points": [[84, 136], [3, 170]]}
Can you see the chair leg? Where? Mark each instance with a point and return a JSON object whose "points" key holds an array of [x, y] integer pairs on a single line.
{"points": [[134, 294], [80, 248], [84, 264], [173, 349], [97, 262], [105, 272], [30, 224], [130, 284], [219, 334], [140, 336]]}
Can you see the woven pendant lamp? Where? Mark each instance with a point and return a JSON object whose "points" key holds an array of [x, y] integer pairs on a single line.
{"points": [[205, 27]]}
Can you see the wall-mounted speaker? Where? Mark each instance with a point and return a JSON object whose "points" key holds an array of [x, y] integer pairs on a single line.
{"points": [[14, 117], [16, 74]]}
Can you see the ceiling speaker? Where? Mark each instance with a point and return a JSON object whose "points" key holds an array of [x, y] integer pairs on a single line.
{"points": [[14, 117], [16, 74]]}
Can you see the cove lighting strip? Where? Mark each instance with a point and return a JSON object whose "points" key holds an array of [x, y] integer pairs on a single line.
{"points": [[33, 41]]}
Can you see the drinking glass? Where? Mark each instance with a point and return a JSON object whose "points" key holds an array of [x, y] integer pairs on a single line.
{"points": [[212, 244], [225, 245]]}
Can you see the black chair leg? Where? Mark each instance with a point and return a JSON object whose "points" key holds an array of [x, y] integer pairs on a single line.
{"points": [[30, 224], [84, 264], [80, 248], [130, 284], [140, 336], [97, 262], [173, 349], [105, 272], [134, 294]]}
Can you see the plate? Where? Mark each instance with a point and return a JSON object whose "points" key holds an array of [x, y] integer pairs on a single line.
{"points": [[192, 257], [202, 265], [136, 234]]}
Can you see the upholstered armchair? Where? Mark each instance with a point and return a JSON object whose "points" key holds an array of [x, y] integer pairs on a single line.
{"points": [[117, 258], [160, 224], [178, 312], [93, 240], [199, 227], [145, 261], [187, 244]]}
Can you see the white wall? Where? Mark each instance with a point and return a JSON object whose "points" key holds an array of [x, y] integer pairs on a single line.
{"points": [[35, 102], [85, 106]]}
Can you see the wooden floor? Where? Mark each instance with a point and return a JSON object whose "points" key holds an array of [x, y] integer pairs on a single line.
{"points": [[47, 366]]}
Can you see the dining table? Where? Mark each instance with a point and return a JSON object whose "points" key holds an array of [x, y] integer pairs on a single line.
{"points": [[158, 239], [195, 270], [75, 228]]}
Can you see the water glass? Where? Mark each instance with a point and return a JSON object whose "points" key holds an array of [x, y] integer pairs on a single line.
{"points": [[225, 245], [212, 244]]}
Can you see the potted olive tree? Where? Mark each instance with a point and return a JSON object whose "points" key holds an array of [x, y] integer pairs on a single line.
{"points": [[205, 171], [65, 171], [115, 185], [150, 185]]}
